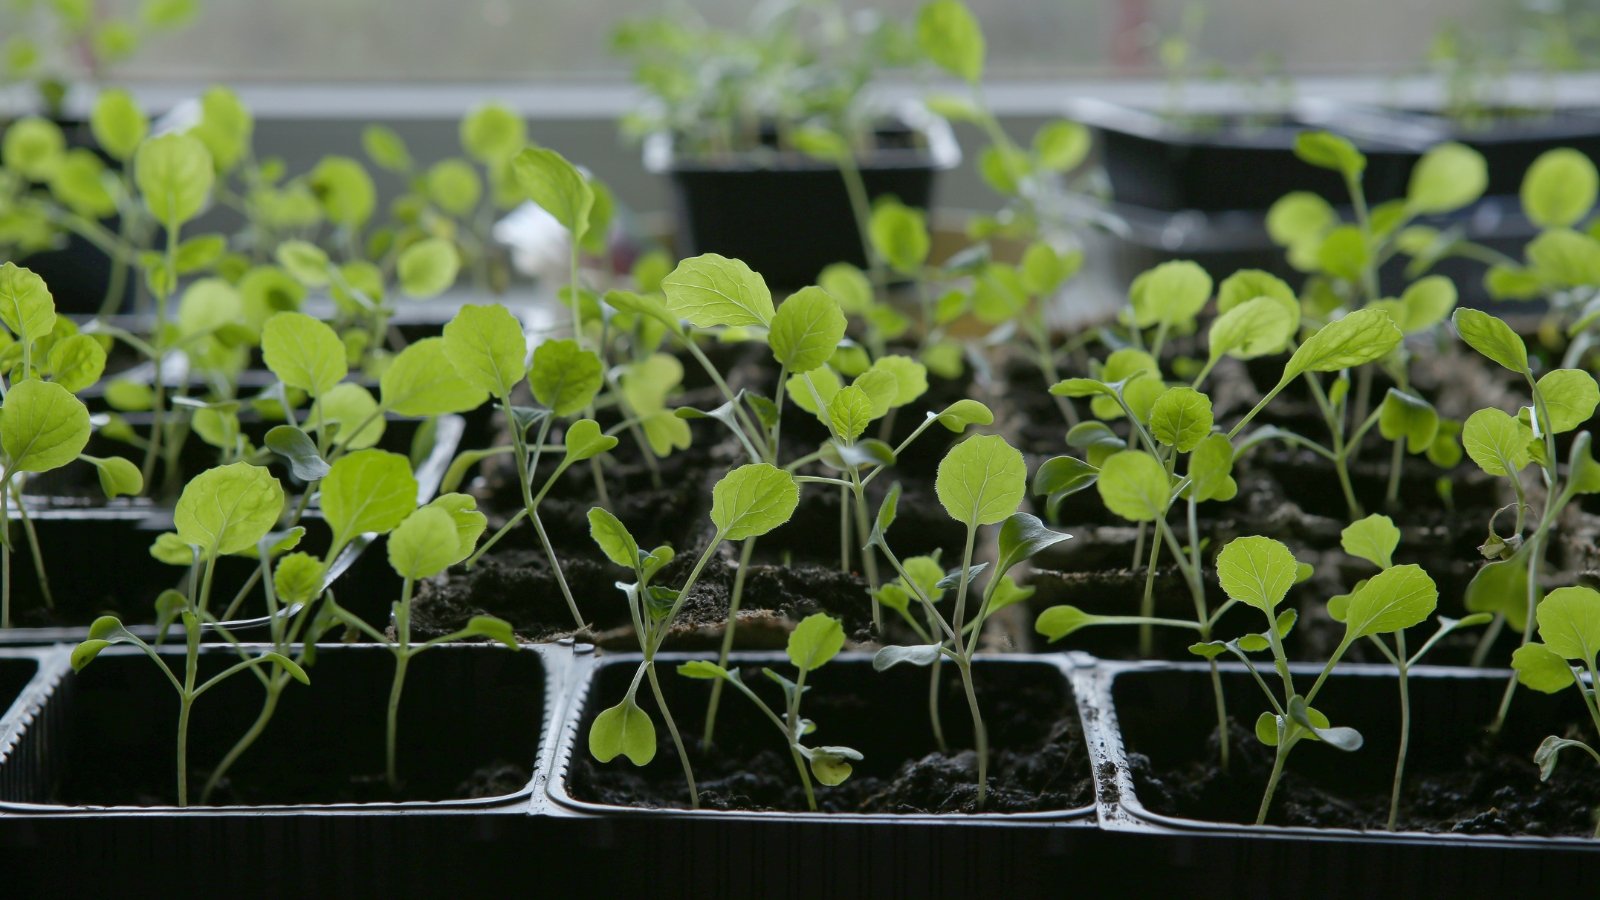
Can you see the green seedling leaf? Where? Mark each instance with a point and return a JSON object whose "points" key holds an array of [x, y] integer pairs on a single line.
{"points": [[1329, 151], [428, 268], [485, 345], [623, 730], [1493, 338], [1044, 270], [585, 440], [297, 447], [565, 377], [806, 330], [386, 149], [298, 578], [1425, 304], [1393, 600], [752, 500], [368, 491], [174, 174], [26, 307], [469, 522], [1410, 418], [1212, 650], [648, 306], [43, 426], [1448, 177], [816, 640], [900, 236], [1258, 327], [1356, 339], [305, 261], [1022, 537], [1501, 587], [118, 123], [118, 477], [1569, 622], [712, 290], [454, 186], [981, 481], [1341, 738], [948, 34], [831, 765], [1496, 441], [893, 655], [1180, 418], [961, 414], [909, 378], [951, 579], [1058, 622], [303, 352], [613, 538], [1570, 396], [556, 185], [850, 411], [1134, 485], [76, 362], [1169, 294], [424, 544], [1550, 749], [420, 381], [492, 132], [1256, 571], [1541, 668], [103, 632], [1211, 469], [1373, 539], [881, 387], [704, 669], [1062, 476], [1560, 188], [228, 509], [1007, 593], [1249, 284], [351, 415]]}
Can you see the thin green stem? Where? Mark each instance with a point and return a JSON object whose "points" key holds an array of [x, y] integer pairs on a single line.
{"points": [[727, 637]]}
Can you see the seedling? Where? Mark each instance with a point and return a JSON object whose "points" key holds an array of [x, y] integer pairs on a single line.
{"points": [[815, 641], [1503, 445], [1375, 539], [370, 494], [981, 481], [44, 426], [228, 509], [55, 45], [1569, 630], [746, 503], [1258, 572]]}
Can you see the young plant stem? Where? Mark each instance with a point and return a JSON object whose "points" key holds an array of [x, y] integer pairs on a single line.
{"points": [[1401, 666], [861, 208], [727, 638], [402, 658], [34, 549], [792, 730], [1197, 592], [159, 388], [672, 729], [1277, 773], [5, 555], [1397, 461], [964, 653]]}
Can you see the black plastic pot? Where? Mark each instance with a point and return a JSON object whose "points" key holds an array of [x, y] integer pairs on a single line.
{"points": [[124, 579], [73, 744], [1163, 712], [799, 853], [1157, 164], [787, 215]]}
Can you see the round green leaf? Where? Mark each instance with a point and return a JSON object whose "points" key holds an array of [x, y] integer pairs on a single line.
{"points": [[174, 175], [1569, 622], [228, 509], [710, 290], [343, 409], [1541, 668], [423, 545], [1181, 418], [1256, 571], [1373, 539], [1358, 338], [1447, 178], [1559, 189], [752, 500], [948, 34], [806, 330], [623, 730], [1329, 151], [1256, 327], [900, 236], [981, 481], [420, 381], [303, 352], [1134, 485], [556, 185], [26, 307], [1393, 600], [486, 346], [345, 191], [369, 490], [1171, 293], [492, 132], [428, 268], [1493, 338], [1570, 396], [43, 426], [818, 638], [564, 376]]}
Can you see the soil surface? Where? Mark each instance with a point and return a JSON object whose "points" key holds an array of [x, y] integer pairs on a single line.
{"points": [[1487, 790], [519, 586], [1038, 759]]}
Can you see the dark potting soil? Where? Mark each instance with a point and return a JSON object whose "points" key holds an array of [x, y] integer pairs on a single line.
{"points": [[1038, 760], [518, 586], [1487, 790], [1457, 779], [304, 785]]}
